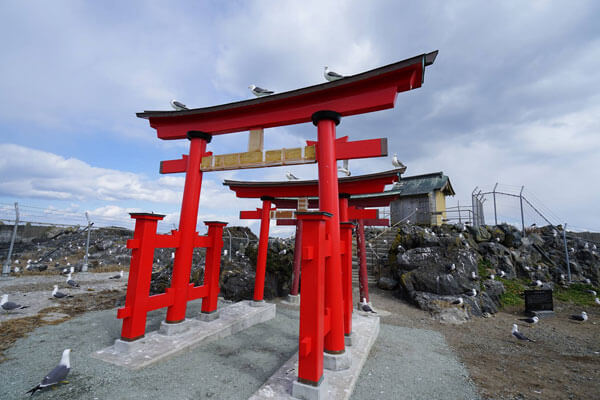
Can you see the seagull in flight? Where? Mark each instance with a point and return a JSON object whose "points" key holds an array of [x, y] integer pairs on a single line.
{"points": [[396, 163], [331, 75], [57, 375], [9, 305], [178, 106], [291, 177], [260, 92], [519, 335]]}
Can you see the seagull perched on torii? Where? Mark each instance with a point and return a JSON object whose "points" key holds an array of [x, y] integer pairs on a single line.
{"points": [[291, 177], [178, 106], [396, 163], [260, 92], [331, 75]]}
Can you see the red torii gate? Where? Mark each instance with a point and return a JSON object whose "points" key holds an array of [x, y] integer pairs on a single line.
{"points": [[321, 322], [275, 193]]}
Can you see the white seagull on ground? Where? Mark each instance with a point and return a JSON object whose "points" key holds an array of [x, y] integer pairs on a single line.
{"points": [[579, 317], [260, 92], [117, 276], [178, 106], [291, 177], [452, 268], [71, 282], [532, 320], [519, 335], [331, 75], [59, 295], [364, 306], [502, 274], [537, 283], [396, 163], [474, 276], [57, 375], [471, 293], [592, 292], [597, 301], [458, 302], [9, 305]]}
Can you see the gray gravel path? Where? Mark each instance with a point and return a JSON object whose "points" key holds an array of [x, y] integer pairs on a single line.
{"points": [[404, 363]]}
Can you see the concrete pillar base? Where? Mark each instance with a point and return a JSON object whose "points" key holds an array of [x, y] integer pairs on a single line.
{"points": [[174, 329], [309, 392], [337, 362], [348, 339], [207, 317], [293, 299], [126, 347], [260, 303]]}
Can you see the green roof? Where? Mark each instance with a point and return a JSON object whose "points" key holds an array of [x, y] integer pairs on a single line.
{"points": [[422, 184]]}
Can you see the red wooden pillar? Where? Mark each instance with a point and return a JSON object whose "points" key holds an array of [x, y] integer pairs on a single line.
{"points": [[140, 273], [187, 226], [328, 202], [312, 292], [213, 265], [363, 279], [346, 236], [297, 258], [263, 245]]}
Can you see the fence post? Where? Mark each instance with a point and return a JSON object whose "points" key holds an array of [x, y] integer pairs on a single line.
{"points": [[229, 233], [459, 220], [474, 208], [522, 218], [6, 267], [567, 252], [495, 214], [84, 267]]}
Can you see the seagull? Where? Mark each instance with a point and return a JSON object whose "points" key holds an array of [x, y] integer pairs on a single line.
{"points": [[17, 269], [59, 295], [71, 282], [178, 106], [458, 302], [396, 163], [519, 335], [537, 283], [587, 281], [283, 252], [597, 301], [260, 92], [592, 292], [452, 268], [474, 276], [492, 276], [9, 305], [532, 320], [344, 168], [57, 375], [364, 306], [471, 293], [330, 75], [502, 274], [118, 276], [526, 268], [291, 177], [579, 317]]}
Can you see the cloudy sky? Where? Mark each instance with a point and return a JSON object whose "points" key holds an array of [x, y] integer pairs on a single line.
{"points": [[513, 97]]}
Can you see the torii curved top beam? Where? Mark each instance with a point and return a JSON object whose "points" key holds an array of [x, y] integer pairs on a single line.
{"points": [[369, 91], [360, 184]]}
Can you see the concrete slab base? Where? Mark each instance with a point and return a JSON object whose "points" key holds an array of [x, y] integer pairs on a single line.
{"points": [[337, 362], [293, 299], [255, 303], [309, 392], [339, 384], [176, 338]]}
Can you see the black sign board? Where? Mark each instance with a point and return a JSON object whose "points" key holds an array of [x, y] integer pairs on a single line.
{"points": [[538, 300]]}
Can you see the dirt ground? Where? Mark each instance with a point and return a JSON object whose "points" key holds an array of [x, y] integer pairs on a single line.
{"points": [[563, 363]]}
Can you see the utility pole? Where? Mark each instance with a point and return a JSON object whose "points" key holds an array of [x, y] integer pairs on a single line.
{"points": [[494, 194], [84, 267], [6, 267]]}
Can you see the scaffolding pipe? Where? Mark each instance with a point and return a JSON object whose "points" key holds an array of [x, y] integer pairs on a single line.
{"points": [[567, 252], [6, 267], [84, 267]]}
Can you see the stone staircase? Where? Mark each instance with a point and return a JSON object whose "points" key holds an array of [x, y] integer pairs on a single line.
{"points": [[378, 248]]}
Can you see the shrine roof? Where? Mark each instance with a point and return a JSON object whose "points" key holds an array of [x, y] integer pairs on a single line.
{"points": [[368, 91]]}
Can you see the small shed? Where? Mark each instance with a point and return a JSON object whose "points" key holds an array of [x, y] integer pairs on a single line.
{"points": [[421, 199]]}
